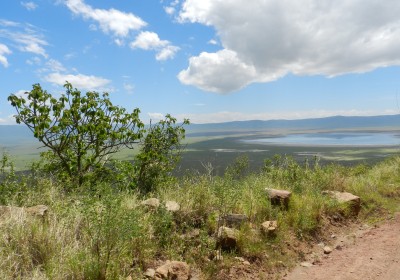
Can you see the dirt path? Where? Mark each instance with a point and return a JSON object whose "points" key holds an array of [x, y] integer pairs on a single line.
{"points": [[372, 254]]}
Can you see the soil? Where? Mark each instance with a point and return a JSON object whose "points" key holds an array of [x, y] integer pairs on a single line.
{"points": [[368, 253]]}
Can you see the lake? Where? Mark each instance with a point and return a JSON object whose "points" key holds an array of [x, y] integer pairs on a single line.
{"points": [[331, 139]]}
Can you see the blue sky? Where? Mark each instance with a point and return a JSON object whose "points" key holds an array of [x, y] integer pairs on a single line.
{"points": [[208, 60]]}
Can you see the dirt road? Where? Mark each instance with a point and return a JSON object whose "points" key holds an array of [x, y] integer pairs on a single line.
{"points": [[372, 254]]}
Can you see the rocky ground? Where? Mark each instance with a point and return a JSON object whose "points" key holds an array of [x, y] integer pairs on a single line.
{"points": [[366, 254]]}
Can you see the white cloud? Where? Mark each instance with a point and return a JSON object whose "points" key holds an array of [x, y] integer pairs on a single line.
{"points": [[4, 50], [28, 40], [129, 88], [228, 116], [30, 6], [34, 61], [55, 66], [147, 40], [169, 10], [110, 21], [219, 72], [306, 37], [167, 53], [213, 42], [156, 116], [79, 81]]}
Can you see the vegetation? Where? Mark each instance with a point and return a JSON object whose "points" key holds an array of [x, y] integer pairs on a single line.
{"points": [[97, 227], [82, 131], [105, 232]]}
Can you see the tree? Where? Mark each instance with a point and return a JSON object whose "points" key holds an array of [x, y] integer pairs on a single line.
{"points": [[160, 150], [81, 131]]}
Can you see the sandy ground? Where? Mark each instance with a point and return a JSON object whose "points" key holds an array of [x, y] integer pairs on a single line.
{"points": [[369, 254]]}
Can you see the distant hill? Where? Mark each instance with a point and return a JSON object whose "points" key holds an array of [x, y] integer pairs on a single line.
{"points": [[19, 134], [329, 123]]}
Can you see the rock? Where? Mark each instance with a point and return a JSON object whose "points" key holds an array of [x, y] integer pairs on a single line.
{"points": [[38, 210], [173, 270], [279, 197], [150, 273], [172, 206], [269, 227], [240, 259], [345, 198], [234, 220], [246, 263], [306, 264], [151, 203], [227, 238], [327, 250]]}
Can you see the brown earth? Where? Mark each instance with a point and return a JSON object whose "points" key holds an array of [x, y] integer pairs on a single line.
{"points": [[366, 254]]}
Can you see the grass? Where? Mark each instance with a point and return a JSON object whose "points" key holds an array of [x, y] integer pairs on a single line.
{"points": [[105, 233]]}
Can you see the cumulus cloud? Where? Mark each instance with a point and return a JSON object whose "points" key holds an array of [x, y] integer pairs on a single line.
{"points": [[147, 40], [79, 81], [268, 39], [110, 21], [30, 6], [4, 50]]}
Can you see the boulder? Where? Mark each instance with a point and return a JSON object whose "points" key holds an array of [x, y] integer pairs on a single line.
{"points": [[227, 238], [172, 206], [269, 227], [345, 198], [153, 203], [234, 220], [279, 197], [173, 270]]}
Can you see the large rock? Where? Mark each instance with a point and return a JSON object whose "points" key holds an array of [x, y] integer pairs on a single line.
{"points": [[279, 197], [227, 238], [173, 270], [350, 200], [234, 220], [153, 203]]}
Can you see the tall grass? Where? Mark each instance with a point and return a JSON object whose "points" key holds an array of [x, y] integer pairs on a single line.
{"points": [[103, 232]]}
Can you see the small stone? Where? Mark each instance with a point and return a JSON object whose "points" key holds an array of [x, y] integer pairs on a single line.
{"points": [[246, 263], [327, 250], [149, 273], [172, 206], [151, 203], [240, 259], [306, 264], [269, 227]]}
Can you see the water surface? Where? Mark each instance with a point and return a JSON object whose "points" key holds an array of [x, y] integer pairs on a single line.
{"points": [[332, 139]]}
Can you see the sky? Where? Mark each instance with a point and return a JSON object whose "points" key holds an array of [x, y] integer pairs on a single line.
{"points": [[208, 60]]}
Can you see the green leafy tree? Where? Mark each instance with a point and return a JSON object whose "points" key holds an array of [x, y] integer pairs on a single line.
{"points": [[80, 130], [160, 151]]}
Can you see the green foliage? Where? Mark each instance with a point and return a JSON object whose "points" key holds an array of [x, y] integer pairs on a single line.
{"points": [[160, 150], [81, 131]]}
